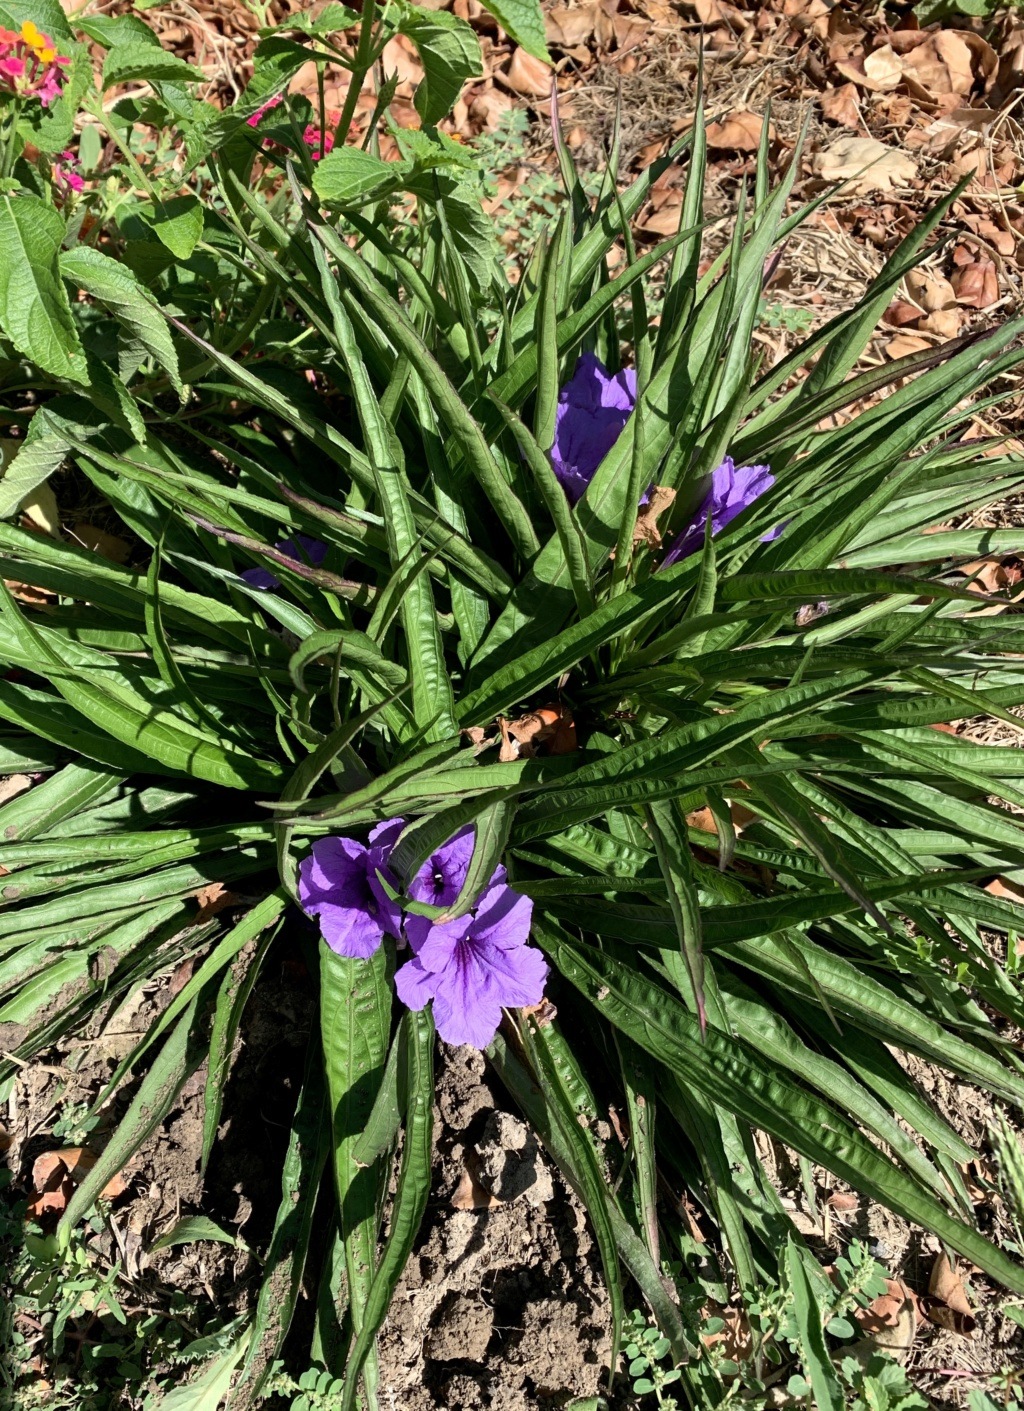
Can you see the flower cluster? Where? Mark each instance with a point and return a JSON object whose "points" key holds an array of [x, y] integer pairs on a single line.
{"points": [[67, 173], [471, 968], [30, 66], [263, 110], [319, 142], [592, 410]]}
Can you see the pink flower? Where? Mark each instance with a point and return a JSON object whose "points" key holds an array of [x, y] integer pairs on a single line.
{"points": [[262, 111], [67, 173], [30, 65], [318, 142]]}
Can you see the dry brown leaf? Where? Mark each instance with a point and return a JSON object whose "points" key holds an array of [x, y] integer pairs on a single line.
{"points": [[866, 164], [551, 727], [944, 323], [213, 898], [1005, 890], [98, 541], [28, 593], [740, 132], [734, 1339], [567, 28], [665, 220], [976, 284], [471, 1195], [527, 76], [931, 291], [487, 108], [941, 65], [11, 785], [509, 749], [899, 314], [709, 12], [997, 236], [703, 819], [840, 105], [646, 530], [401, 56], [947, 1304], [843, 1201], [889, 1322], [55, 1174], [542, 1014], [903, 344], [40, 509]]}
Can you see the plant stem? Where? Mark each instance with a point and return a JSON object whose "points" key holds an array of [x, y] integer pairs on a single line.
{"points": [[361, 65], [94, 107]]}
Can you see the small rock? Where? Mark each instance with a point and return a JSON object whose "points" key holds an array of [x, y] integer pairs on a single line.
{"points": [[511, 1164]]}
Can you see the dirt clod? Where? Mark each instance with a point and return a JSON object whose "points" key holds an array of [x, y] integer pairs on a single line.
{"points": [[510, 1161]]}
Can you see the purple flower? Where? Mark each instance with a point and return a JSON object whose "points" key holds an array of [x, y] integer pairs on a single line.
{"points": [[338, 882], [592, 410], [302, 549], [473, 967], [439, 881], [732, 490]]}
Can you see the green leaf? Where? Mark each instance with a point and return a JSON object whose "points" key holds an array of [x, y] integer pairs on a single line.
{"points": [[191, 1228], [729, 1073], [523, 21], [133, 60], [34, 310], [450, 53], [206, 1392], [178, 224], [350, 175], [47, 14], [411, 1191], [355, 1022], [543, 1046], [818, 1369], [114, 284], [235, 988], [285, 1264]]}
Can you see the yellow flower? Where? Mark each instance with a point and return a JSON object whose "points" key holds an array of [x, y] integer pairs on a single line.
{"points": [[31, 34]]}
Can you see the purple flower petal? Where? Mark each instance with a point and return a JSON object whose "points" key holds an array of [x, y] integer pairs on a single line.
{"points": [[732, 489], [415, 985], [349, 931], [473, 966], [503, 918], [338, 883], [302, 549], [593, 407], [439, 881]]}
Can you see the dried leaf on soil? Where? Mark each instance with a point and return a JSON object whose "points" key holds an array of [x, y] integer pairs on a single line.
{"points": [[212, 899], [471, 1195], [947, 1304], [40, 509], [867, 164], [527, 76], [55, 1174], [740, 132], [840, 105], [98, 541]]}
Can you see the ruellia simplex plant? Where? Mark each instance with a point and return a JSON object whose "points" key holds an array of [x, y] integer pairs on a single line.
{"points": [[456, 601]]}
